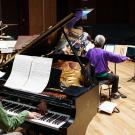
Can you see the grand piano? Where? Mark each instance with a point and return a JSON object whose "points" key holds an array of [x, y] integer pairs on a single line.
{"points": [[69, 110]]}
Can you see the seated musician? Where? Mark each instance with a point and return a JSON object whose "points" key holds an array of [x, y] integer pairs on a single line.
{"points": [[78, 39], [85, 39], [11, 123], [99, 58]]}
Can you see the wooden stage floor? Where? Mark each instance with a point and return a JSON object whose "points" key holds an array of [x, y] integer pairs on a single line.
{"points": [[122, 123]]}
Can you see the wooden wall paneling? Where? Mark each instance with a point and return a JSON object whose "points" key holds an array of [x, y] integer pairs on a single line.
{"points": [[15, 14], [23, 17], [10, 12], [62, 9], [73, 4], [104, 12], [132, 12], [10, 16], [0, 11], [50, 14], [42, 14], [35, 16]]}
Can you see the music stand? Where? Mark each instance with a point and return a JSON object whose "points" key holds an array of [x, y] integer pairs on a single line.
{"points": [[111, 48], [131, 54]]}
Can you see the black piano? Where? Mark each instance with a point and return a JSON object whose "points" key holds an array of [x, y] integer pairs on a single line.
{"points": [[69, 111]]}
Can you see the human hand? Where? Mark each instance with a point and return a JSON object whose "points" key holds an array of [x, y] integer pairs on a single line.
{"points": [[110, 71], [42, 107], [129, 59], [33, 115]]}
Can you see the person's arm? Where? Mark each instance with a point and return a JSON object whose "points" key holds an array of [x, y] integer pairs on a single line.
{"points": [[115, 57], [8, 123]]}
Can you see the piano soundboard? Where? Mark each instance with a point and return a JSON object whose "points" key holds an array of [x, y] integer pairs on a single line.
{"points": [[50, 119]]}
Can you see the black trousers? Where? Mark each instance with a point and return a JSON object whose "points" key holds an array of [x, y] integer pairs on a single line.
{"points": [[114, 80]]}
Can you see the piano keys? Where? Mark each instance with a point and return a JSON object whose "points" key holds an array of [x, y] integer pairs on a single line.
{"points": [[50, 119]]}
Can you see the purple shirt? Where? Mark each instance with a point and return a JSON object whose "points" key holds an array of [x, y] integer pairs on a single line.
{"points": [[99, 59]]}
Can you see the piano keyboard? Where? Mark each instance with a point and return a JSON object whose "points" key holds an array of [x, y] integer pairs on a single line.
{"points": [[50, 119]]}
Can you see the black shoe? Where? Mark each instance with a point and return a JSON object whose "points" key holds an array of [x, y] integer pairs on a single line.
{"points": [[122, 95], [115, 96]]}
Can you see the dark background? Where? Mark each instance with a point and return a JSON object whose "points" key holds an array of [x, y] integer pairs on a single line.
{"points": [[112, 18]]}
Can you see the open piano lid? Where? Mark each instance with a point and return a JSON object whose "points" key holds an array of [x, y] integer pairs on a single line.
{"points": [[78, 15], [69, 21], [35, 44]]}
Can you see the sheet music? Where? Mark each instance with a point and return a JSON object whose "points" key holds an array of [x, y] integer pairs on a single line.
{"points": [[7, 46], [39, 75], [7, 50], [120, 49], [2, 74], [107, 107], [29, 73], [89, 46], [20, 72], [109, 47]]}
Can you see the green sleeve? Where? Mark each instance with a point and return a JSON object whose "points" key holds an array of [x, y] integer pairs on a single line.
{"points": [[10, 123]]}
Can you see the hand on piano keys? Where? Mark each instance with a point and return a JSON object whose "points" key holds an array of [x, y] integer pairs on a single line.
{"points": [[42, 107], [33, 115], [50, 119]]}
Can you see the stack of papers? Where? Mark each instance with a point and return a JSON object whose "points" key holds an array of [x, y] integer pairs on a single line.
{"points": [[107, 107], [7, 46]]}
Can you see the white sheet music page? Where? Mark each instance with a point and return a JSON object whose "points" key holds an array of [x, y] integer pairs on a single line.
{"points": [[39, 75], [7, 46], [30, 73], [20, 72], [107, 107], [2, 74]]}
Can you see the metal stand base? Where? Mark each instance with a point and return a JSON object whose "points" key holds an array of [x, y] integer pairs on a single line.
{"points": [[133, 78], [122, 95]]}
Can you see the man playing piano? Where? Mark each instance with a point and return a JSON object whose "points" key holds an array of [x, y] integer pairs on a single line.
{"points": [[11, 123]]}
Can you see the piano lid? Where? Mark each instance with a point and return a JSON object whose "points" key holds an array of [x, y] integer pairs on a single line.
{"points": [[78, 15], [68, 22]]}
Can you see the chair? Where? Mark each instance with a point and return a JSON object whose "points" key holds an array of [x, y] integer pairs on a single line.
{"points": [[108, 83]]}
